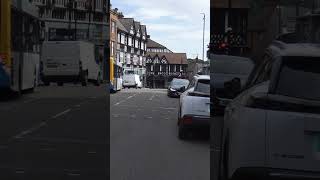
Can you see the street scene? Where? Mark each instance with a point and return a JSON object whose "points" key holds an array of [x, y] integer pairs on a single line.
{"points": [[264, 66], [160, 90]]}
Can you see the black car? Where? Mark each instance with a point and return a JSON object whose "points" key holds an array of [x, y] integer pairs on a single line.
{"points": [[177, 86], [227, 74]]}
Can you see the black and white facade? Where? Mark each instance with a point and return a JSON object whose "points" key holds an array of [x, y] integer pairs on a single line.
{"points": [[132, 45]]}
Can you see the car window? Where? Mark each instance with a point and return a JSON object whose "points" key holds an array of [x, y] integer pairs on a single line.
{"points": [[191, 84], [203, 86], [257, 72], [179, 82], [265, 71], [299, 77]]}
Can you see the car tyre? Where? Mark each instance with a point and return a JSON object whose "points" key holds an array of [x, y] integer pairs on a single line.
{"points": [[98, 80], [84, 79], [182, 133], [60, 83]]}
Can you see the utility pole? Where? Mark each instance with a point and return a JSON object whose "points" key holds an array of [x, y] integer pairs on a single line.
{"points": [[204, 27]]}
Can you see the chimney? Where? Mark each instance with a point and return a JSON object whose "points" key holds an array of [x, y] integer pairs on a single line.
{"points": [[116, 10]]}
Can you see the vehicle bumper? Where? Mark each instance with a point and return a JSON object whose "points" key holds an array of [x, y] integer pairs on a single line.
{"points": [[174, 93], [275, 174], [198, 122]]}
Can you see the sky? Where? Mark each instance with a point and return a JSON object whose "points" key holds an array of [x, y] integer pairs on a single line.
{"points": [[176, 24]]}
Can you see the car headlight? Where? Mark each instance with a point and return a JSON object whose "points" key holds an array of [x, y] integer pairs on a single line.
{"points": [[172, 89]]}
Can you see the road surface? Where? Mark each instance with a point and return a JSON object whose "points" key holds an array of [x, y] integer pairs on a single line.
{"points": [[144, 143], [55, 133]]}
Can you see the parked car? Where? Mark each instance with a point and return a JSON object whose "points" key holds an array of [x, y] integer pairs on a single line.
{"points": [[194, 109], [272, 129], [177, 86], [225, 71]]}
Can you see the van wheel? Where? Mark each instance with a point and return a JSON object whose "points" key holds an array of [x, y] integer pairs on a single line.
{"points": [[136, 86], [98, 80], [60, 83], [84, 79]]}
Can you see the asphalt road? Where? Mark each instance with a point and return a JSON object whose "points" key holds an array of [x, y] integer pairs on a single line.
{"points": [[144, 143], [55, 133]]}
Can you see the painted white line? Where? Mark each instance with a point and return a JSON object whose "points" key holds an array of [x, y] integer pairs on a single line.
{"points": [[60, 114], [151, 97], [28, 131], [125, 100]]}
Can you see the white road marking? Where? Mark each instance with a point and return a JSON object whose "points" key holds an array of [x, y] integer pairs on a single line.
{"points": [[125, 100], [60, 114], [151, 97]]}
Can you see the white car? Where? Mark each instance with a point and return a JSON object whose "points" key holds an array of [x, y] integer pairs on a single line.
{"points": [[194, 110], [272, 129]]}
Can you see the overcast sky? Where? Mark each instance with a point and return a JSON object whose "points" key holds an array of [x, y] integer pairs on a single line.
{"points": [[177, 24]]}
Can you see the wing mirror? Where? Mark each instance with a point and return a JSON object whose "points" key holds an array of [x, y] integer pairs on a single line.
{"points": [[183, 89], [233, 88]]}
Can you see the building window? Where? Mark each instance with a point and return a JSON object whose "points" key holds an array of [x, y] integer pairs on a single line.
{"points": [[112, 48], [130, 41], [151, 67], [113, 27]]}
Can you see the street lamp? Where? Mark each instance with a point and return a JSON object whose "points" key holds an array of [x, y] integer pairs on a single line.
{"points": [[204, 26]]}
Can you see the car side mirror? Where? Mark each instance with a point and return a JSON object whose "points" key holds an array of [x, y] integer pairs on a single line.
{"points": [[233, 88], [183, 88]]}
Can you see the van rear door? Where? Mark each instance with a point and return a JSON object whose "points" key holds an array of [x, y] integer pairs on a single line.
{"points": [[61, 58]]}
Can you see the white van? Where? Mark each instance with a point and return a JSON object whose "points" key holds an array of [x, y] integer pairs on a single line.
{"points": [[70, 61], [131, 80]]}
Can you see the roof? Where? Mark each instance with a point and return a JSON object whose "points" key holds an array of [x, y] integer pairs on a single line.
{"points": [[144, 29], [173, 58], [296, 49], [152, 44], [137, 25], [127, 23], [121, 27]]}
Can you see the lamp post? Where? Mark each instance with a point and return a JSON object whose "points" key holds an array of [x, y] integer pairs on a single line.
{"points": [[204, 27]]}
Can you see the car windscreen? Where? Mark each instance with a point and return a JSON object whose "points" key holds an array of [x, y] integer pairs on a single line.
{"points": [[203, 86], [299, 77], [179, 82], [229, 66]]}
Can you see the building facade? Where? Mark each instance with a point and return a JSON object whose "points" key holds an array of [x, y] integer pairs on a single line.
{"points": [[132, 40], [163, 67], [254, 23], [76, 20]]}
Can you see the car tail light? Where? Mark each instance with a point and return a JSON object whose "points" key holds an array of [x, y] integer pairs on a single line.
{"points": [[186, 120]]}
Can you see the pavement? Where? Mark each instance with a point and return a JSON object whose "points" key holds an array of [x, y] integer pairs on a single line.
{"points": [[55, 133], [143, 139]]}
